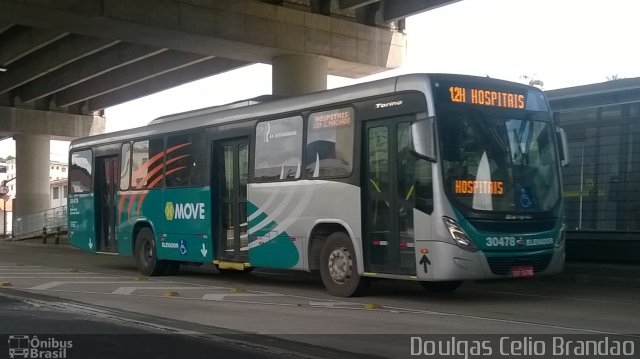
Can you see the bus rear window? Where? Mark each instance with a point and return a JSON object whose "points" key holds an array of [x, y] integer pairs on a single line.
{"points": [[80, 173]]}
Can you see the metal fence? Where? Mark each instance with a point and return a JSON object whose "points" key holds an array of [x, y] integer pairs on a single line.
{"points": [[31, 225]]}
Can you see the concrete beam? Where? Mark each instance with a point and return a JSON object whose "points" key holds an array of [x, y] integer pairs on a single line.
{"points": [[85, 69], [353, 4], [59, 54], [395, 10], [127, 75], [59, 126], [245, 30], [165, 81], [21, 41]]}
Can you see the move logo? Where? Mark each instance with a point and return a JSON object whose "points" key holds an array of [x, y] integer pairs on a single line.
{"points": [[184, 211]]}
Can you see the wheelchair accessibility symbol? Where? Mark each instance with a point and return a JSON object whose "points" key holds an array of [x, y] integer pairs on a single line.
{"points": [[525, 198], [183, 247]]}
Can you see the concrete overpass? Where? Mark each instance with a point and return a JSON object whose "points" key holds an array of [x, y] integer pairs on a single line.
{"points": [[63, 61]]}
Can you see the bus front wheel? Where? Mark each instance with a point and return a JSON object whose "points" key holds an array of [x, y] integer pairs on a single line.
{"points": [[339, 269], [146, 257]]}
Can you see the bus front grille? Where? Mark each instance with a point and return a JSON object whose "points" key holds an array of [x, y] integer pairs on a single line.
{"points": [[503, 265], [513, 226]]}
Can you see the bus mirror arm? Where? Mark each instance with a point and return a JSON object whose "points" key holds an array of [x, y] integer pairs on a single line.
{"points": [[422, 136], [563, 145]]}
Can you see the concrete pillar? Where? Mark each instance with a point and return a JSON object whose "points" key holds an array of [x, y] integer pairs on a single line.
{"points": [[294, 75], [32, 174]]}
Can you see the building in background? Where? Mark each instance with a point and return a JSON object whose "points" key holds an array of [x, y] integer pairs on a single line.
{"points": [[58, 173], [602, 183]]}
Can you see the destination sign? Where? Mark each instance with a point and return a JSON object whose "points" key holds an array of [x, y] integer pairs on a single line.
{"points": [[478, 187], [484, 97], [330, 119]]}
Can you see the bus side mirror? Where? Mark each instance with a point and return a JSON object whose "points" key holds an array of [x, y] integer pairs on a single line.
{"points": [[424, 204], [423, 139], [563, 146]]}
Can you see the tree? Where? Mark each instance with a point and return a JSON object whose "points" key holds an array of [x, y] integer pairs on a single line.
{"points": [[613, 77]]}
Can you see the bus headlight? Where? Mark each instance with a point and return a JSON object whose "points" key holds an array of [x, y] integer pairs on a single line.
{"points": [[460, 237], [562, 236]]}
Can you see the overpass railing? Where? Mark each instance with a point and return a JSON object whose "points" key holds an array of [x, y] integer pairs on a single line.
{"points": [[31, 225]]}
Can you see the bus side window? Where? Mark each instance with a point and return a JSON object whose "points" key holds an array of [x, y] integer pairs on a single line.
{"points": [[330, 143], [80, 174], [278, 151], [125, 166], [182, 165]]}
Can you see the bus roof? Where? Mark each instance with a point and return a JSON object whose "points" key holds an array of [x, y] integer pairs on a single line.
{"points": [[258, 108]]}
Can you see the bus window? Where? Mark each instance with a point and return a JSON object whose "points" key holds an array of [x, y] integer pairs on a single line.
{"points": [[80, 173], [330, 143], [146, 164], [125, 166], [278, 149], [183, 167], [415, 178]]}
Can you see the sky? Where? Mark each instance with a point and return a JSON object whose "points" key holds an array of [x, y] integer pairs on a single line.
{"points": [[563, 43]]}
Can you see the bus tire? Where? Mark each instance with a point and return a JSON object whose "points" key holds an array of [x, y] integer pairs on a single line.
{"points": [[339, 267], [146, 256], [441, 287]]}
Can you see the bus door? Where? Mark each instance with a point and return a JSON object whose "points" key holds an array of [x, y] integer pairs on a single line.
{"points": [[388, 191], [107, 180], [231, 171]]}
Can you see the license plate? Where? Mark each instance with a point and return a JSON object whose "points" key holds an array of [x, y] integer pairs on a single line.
{"points": [[522, 271]]}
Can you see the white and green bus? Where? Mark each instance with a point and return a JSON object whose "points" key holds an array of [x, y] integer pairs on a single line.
{"points": [[431, 178]]}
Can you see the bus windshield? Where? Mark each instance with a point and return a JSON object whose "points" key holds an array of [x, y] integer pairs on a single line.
{"points": [[498, 159]]}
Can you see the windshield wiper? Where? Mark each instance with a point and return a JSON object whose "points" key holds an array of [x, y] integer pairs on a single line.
{"points": [[499, 140]]}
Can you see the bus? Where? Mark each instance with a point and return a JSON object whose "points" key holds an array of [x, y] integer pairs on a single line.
{"points": [[435, 178]]}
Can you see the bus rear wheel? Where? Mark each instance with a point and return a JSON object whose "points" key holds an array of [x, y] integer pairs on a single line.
{"points": [[146, 256], [339, 269], [441, 287]]}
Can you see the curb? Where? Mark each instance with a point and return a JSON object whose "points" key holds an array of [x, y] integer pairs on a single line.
{"points": [[38, 243]]}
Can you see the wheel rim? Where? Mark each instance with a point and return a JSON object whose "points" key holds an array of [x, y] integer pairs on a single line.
{"points": [[147, 253], [340, 264]]}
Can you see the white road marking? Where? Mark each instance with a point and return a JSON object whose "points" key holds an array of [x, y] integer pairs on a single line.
{"points": [[499, 320], [332, 304], [51, 277], [219, 297], [130, 290], [53, 284], [44, 273]]}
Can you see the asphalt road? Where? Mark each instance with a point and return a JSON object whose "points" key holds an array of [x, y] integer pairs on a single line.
{"points": [[290, 314], [53, 328]]}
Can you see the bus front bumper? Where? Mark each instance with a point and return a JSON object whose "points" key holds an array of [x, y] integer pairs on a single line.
{"points": [[447, 262]]}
